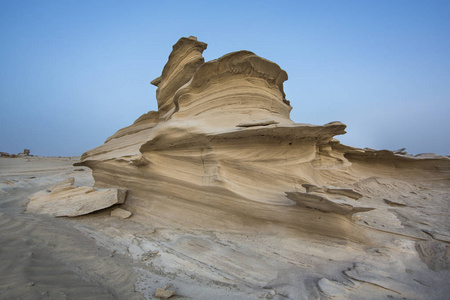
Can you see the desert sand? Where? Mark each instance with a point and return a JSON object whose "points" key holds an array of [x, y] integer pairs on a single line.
{"points": [[228, 198]]}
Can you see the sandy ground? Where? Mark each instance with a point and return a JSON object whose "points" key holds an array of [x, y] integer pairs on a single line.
{"points": [[42, 257], [47, 258]]}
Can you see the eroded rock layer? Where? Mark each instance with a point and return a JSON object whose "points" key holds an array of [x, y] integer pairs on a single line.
{"points": [[222, 155], [66, 200]]}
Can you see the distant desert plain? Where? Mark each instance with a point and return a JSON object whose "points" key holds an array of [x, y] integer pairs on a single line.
{"points": [[220, 195]]}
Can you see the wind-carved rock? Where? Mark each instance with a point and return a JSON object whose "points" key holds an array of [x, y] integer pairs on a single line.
{"points": [[222, 152], [184, 61], [222, 160]]}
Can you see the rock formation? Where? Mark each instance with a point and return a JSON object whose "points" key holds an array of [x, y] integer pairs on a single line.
{"points": [[221, 154], [26, 152], [5, 154]]}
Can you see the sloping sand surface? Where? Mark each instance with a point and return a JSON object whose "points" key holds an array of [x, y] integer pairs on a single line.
{"points": [[46, 258]]}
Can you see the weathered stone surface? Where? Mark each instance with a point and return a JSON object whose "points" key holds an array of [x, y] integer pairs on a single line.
{"points": [[222, 156], [121, 213], [184, 61], [257, 123], [401, 151], [65, 199], [163, 293], [65, 182], [427, 155]]}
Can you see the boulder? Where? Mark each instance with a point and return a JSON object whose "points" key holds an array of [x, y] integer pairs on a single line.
{"points": [[65, 199]]}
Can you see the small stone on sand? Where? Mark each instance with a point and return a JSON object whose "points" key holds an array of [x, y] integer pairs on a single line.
{"points": [[163, 294], [121, 213]]}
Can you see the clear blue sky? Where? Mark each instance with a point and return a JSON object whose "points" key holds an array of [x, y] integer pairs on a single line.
{"points": [[74, 72]]}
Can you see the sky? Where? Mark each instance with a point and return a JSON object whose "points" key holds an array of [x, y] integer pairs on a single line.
{"points": [[74, 72]]}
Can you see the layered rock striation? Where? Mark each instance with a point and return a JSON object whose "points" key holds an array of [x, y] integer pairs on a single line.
{"points": [[64, 199], [222, 154]]}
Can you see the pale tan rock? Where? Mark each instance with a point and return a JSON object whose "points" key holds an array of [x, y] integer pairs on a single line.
{"points": [[184, 61], [222, 156], [65, 182], [223, 130], [257, 123], [427, 155], [323, 203], [121, 213], [333, 288], [138, 161], [68, 200], [163, 293]]}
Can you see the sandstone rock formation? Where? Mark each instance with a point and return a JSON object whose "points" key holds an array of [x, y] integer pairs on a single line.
{"points": [[222, 155], [65, 199]]}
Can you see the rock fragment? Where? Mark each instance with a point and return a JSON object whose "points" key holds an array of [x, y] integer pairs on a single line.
{"points": [[121, 213], [138, 161], [393, 203], [427, 155], [65, 199], [163, 293], [401, 151]]}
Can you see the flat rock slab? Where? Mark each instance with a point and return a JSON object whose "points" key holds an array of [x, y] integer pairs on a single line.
{"points": [[70, 201]]}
